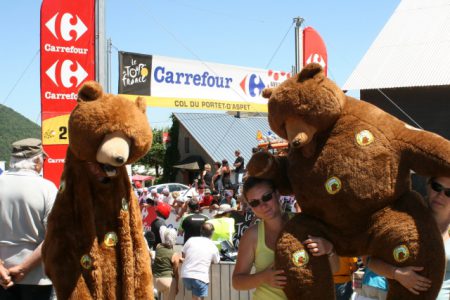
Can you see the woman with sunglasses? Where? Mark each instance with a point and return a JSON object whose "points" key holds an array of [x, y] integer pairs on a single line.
{"points": [[257, 245], [438, 191]]}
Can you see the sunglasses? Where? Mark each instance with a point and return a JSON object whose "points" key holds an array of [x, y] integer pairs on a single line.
{"points": [[265, 198], [437, 187]]}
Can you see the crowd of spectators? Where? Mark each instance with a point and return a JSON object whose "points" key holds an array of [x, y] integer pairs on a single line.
{"points": [[246, 213]]}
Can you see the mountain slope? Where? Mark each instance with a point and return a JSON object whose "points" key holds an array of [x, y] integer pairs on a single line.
{"points": [[13, 127]]}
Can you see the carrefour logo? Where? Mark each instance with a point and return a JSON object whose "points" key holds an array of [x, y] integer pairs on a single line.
{"points": [[316, 58], [205, 79], [252, 85], [66, 27], [66, 69]]}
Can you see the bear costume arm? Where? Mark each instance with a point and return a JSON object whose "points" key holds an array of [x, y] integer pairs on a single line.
{"points": [[268, 166], [425, 152]]}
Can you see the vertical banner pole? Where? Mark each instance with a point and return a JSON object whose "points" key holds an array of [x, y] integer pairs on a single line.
{"points": [[100, 44], [298, 44]]}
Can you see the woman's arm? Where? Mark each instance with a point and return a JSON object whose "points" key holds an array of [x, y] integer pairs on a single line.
{"points": [[242, 279], [406, 276], [318, 246], [176, 259]]}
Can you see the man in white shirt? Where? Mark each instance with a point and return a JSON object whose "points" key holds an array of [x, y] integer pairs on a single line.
{"points": [[199, 253], [25, 203]]}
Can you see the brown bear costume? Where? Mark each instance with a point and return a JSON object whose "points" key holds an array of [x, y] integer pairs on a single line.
{"points": [[94, 247], [349, 167]]}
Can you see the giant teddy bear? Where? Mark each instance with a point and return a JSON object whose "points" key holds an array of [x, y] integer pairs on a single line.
{"points": [[94, 246], [349, 167]]}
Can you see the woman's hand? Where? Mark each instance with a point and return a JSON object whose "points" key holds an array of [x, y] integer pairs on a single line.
{"points": [[318, 246], [414, 282], [274, 278]]}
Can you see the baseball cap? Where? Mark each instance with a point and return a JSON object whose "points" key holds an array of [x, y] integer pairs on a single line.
{"points": [[223, 208], [207, 191], [27, 148]]}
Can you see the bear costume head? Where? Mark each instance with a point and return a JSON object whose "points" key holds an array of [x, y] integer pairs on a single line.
{"points": [[94, 246], [349, 167], [108, 129]]}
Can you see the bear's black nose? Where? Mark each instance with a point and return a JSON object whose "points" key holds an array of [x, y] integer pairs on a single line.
{"points": [[296, 143], [120, 159]]}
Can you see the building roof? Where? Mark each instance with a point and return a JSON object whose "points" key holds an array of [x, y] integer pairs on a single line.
{"points": [[221, 134], [413, 49]]}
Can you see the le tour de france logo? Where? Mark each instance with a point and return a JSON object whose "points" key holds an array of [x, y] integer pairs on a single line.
{"points": [[134, 73]]}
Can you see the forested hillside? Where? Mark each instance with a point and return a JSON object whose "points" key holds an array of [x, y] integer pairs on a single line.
{"points": [[13, 127]]}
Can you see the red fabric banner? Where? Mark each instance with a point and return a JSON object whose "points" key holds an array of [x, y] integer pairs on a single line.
{"points": [[67, 60], [314, 49]]}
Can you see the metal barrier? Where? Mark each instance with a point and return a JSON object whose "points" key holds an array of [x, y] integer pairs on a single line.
{"points": [[220, 287]]}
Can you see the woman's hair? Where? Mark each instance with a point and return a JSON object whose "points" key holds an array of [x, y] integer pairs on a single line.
{"points": [[217, 163], [207, 167], [251, 182], [170, 237], [26, 163]]}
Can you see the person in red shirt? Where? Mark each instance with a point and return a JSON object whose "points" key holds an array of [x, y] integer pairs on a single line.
{"points": [[206, 199]]}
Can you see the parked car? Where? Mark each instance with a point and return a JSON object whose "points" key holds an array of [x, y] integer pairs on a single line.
{"points": [[173, 187], [185, 191]]}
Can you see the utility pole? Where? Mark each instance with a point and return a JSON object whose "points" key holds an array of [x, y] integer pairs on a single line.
{"points": [[100, 44], [108, 66], [298, 45]]}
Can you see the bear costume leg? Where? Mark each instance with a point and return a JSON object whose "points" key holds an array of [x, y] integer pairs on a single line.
{"points": [[395, 237], [309, 277]]}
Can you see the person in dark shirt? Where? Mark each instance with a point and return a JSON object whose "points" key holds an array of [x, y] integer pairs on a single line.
{"points": [[206, 176], [226, 173], [238, 167], [159, 224], [192, 223]]}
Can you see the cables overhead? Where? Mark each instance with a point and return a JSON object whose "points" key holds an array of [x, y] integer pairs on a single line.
{"points": [[21, 76]]}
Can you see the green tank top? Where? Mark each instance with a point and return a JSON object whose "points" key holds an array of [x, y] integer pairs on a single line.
{"points": [[162, 266], [264, 257]]}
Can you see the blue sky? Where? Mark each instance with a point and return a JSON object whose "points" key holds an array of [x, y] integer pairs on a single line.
{"points": [[244, 33]]}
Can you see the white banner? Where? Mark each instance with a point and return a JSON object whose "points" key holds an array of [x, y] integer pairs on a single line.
{"points": [[193, 84]]}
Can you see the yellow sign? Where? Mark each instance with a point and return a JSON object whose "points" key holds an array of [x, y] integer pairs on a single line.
{"points": [[55, 130], [201, 104]]}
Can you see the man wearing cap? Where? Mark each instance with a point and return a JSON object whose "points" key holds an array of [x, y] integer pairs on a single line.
{"points": [[207, 199], [25, 203], [229, 199]]}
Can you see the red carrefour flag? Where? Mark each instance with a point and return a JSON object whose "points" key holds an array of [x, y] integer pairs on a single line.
{"points": [[67, 60], [314, 49]]}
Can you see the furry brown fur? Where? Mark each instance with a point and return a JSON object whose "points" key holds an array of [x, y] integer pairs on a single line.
{"points": [[95, 197], [365, 155]]}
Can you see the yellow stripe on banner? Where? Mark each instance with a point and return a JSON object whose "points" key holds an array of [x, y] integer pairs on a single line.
{"points": [[198, 103], [55, 130]]}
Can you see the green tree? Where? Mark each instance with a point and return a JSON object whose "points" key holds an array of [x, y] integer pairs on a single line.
{"points": [[155, 157], [172, 155]]}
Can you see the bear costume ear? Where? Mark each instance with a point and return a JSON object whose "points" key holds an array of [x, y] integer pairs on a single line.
{"points": [[140, 103], [90, 91], [267, 92], [310, 71]]}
